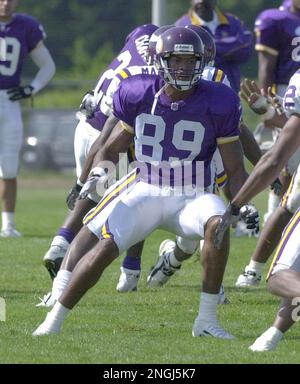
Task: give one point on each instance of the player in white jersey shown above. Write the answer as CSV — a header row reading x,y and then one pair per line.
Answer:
x,y
284,275
271,233
20,36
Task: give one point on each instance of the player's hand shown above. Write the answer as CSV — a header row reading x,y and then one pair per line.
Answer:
x,y
18,93
276,101
97,175
276,187
230,217
255,99
88,104
73,196
249,214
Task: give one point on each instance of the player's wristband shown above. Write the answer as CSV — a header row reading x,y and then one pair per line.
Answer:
x,y
234,210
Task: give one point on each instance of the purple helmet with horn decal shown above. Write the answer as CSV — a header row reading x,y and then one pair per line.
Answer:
x,y
179,41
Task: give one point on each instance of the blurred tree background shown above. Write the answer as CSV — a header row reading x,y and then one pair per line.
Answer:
x,y
83,36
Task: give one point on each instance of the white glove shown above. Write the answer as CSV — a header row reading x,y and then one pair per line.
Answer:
x,y
97,175
88,104
250,215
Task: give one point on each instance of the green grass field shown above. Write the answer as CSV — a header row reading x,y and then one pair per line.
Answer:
x,y
109,327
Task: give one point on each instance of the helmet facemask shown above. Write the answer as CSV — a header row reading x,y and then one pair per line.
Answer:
x,y
189,45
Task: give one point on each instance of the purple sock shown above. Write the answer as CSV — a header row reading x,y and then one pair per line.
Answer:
x,y
132,263
66,234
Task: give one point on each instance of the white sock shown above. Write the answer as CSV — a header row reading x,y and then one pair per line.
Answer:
x,y
173,261
273,202
8,220
208,306
60,282
273,334
61,241
256,266
58,313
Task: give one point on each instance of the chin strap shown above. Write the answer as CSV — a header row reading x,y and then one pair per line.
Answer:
x,y
156,98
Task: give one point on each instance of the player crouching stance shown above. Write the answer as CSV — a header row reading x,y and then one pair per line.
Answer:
x,y
173,116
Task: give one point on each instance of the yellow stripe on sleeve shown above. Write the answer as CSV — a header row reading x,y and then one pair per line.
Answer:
x,y
123,74
226,140
220,180
219,75
127,128
265,48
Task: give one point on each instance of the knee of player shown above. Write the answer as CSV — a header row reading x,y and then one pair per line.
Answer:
x,y
104,252
211,225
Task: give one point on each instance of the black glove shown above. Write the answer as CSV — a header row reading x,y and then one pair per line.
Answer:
x,y
18,93
276,187
230,217
73,195
250,215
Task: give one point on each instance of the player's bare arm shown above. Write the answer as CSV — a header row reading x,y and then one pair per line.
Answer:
x,y
267,65
271,163
250,146
232,156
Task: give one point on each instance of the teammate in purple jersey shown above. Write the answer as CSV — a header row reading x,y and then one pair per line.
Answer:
x,y
163,115
87,130
20,36
234,43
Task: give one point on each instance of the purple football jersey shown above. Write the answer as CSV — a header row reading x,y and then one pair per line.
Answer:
x,y
187,130
277,32
133,53
21,36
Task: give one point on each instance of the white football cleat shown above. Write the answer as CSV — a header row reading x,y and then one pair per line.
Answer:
x,y
206,328
10,231
163,269
128,280
47,301
48,327
267,341
249,278
55,254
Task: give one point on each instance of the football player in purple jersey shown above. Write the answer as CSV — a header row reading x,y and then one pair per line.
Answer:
x,y
20,36
277,43
95,110
174,144
234,43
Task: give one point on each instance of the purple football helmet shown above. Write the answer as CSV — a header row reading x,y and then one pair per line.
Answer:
x,y
208,41
179,41
152,43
